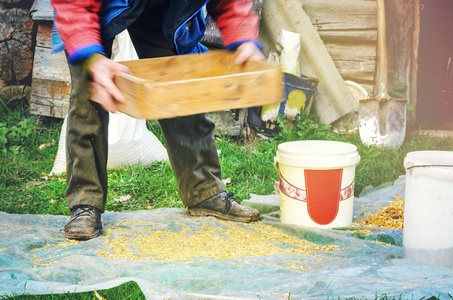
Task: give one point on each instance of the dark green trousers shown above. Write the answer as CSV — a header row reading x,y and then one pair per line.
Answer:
x,y
189,140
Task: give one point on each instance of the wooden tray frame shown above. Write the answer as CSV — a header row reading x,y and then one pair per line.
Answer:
x,y
182,85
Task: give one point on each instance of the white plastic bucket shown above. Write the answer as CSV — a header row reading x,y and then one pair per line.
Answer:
x,y
316,183
428,211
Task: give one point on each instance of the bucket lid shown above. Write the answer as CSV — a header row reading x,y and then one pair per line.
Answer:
x,y
317,154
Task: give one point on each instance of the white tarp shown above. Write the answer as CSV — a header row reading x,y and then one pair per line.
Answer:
x,y
35,258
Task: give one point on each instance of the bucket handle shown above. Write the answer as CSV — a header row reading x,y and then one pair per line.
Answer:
x,y
275,164
415,166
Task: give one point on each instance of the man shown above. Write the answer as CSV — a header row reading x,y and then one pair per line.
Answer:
x,y
157,28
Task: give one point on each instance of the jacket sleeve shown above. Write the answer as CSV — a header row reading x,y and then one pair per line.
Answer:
x,y
77,23
235,19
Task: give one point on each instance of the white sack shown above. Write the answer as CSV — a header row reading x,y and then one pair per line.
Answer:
x,y
288,44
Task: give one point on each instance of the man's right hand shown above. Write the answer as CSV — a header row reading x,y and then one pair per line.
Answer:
x,y
105,92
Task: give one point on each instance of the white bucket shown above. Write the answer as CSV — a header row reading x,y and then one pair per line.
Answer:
x,y
428,211
316,183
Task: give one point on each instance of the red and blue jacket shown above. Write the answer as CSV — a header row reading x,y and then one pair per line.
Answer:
x,y
82,24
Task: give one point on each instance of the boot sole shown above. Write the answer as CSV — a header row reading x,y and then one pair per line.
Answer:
x,y
211,213
80,237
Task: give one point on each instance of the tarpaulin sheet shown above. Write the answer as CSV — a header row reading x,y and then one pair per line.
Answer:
x,y
35,257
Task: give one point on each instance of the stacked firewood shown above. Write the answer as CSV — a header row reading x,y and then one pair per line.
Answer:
x,y
16,44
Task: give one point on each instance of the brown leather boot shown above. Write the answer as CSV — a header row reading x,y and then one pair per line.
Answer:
x,y
225,207
85,223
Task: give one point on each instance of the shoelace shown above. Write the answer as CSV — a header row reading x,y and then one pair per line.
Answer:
x,y
83,209
228,201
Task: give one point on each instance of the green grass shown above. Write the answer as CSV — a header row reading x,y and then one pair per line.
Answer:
x,y
248,165
379,165
128,290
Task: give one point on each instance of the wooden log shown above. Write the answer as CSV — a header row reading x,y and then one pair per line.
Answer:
x,y
16,54
16,3
12,92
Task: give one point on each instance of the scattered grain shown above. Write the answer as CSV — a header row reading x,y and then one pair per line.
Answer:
x,y
391,216
364,231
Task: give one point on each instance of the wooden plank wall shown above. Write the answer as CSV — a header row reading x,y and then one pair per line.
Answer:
x,y
349,31
50,87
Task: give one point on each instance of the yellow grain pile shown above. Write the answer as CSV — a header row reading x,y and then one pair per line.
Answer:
x,y
221,242
391,216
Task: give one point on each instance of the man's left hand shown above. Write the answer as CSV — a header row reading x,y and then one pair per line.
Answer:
x,y
246,51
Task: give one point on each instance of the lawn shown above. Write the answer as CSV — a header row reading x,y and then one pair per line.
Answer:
x,y
29,145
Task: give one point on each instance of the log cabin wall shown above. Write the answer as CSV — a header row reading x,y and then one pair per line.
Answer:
x,y
349,30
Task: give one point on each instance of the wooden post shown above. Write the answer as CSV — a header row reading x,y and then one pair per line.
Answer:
x,y
414,69
403,29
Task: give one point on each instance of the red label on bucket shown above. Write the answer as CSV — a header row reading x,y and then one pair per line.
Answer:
x,y
323,193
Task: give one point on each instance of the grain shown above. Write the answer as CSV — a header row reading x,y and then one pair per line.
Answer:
x,y
391,216
229,241
47,249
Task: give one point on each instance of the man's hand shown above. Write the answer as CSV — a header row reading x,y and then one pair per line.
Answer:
x,y
248,50
105,92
